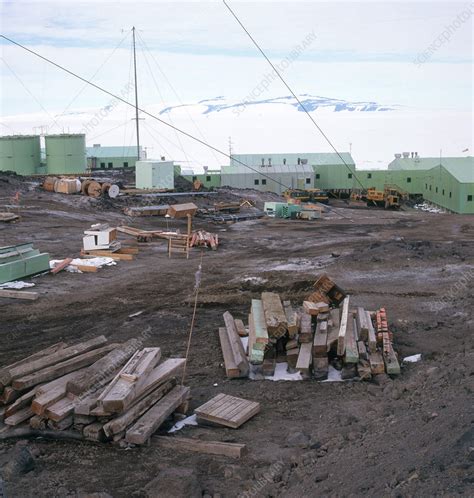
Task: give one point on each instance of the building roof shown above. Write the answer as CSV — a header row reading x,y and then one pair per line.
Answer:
x,y
268,170
313,158
106,151
462,168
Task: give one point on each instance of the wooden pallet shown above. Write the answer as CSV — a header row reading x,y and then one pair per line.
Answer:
x,y
227,410
178,243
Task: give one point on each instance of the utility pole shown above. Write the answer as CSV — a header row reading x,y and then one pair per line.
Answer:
x,y
136,94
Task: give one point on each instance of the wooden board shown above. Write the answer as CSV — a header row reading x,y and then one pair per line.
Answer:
x,y
239,325
292,357
120,423
57,357
306,328
320,340
259,323
351,349
392,366
275,317
19,416
341,341
231,369
320,367
14,294
238,352
305,356
376,363
148,423
128,382
227,410
61,369
22,402
362,325
314,309
371,337
231,450
291,318
108,254
182,210
61,265
60,409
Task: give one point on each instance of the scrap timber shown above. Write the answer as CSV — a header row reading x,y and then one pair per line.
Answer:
x,y
17,262
323,332
96,390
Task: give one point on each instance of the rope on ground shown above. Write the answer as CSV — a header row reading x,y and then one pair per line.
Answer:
x,y
197,286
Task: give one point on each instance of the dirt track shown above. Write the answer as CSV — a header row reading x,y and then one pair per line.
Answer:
x,y
404,437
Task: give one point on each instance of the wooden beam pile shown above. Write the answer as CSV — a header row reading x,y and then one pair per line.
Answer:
x,y
325,331
103,391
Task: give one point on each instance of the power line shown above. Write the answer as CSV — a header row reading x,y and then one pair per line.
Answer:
x,y
169,125
292,92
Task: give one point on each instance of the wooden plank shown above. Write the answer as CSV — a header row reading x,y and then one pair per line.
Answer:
x,y
392,366
275,317
303,364
306,329
320,367
57,357
291,318
260,325
332,337
49,395
371,337
231,450
86,268
376,363
320,340
363,369
231,369
94,432
314,309
102,368
148,423
238,352
108,254
128,250
341,341
14,294
62,368
129,380
351,350
335,317
62,424
229,411
239,325
60,409
362,325
292,357
362,350
5,377
120,423
61,265
22,402
19,416
9,395
38,422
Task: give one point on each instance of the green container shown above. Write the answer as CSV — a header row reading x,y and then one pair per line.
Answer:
x,y
20,153
66,154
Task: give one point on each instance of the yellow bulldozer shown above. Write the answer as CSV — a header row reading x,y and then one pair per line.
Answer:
x,y
389,198
298,196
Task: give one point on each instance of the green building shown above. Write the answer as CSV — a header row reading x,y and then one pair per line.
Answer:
x,y
210,178
105,157
20,153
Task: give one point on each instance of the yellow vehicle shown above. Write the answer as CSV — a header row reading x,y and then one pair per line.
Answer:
x,y
389,198
309,195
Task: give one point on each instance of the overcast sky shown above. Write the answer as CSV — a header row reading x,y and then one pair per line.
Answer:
x,y
416,54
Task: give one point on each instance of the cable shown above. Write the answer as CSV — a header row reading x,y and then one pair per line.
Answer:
x,y
293,93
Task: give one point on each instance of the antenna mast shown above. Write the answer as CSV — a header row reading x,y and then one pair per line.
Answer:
x,y
136,93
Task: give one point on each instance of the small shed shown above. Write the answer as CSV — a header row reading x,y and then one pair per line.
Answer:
x,y
154,175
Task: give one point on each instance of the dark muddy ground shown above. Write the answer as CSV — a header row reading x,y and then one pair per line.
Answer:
x,y
411,436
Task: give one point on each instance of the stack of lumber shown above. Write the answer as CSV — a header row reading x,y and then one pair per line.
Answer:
x,y
95,389
146,235
324,331
201,238
157,210
17,262
182,210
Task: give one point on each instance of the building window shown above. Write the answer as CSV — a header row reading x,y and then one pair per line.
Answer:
x,y
318,176
264,181
256,182
208,178
195,178
308,181
125,164
369,175
443,191
263,161
349,175
284,161
269,161
436,189
102,165
110,165
409,180
426,186
469,198
450,195
430,188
